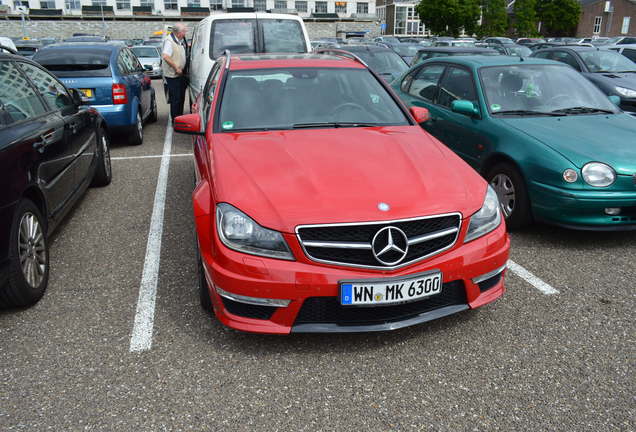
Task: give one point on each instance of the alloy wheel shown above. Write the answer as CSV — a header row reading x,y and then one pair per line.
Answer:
x,y
505,189
32,249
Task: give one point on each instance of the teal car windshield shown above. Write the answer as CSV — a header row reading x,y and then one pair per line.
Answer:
x,y
540,89
606,61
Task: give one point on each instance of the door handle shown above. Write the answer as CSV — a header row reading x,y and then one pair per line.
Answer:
x,y
45,139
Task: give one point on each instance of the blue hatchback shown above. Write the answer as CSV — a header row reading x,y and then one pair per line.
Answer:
x,y
110,79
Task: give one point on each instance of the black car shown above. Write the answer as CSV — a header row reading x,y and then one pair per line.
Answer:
x,y
51,150
430,52
382,60
610,71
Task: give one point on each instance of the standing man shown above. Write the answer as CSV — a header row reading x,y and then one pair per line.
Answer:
x,y
173,65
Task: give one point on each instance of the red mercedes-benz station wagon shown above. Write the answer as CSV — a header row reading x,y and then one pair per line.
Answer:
x,y
322,206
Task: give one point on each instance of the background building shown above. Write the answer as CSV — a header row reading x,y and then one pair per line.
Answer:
x,y
607,18
399,18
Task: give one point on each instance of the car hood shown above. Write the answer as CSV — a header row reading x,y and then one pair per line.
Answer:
x,y
145,60
585,138
287,178
627,80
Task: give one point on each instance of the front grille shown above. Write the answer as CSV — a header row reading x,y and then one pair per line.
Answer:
x,y
328,310
248,310
351,244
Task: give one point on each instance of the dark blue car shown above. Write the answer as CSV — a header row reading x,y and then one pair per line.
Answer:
x,y
110,79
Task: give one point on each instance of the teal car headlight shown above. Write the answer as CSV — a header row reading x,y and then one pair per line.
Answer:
x,y
486,219
598,174
627,92
240,232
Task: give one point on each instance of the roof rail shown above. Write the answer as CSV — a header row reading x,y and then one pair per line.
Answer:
x,y
9,50
341,53
228,54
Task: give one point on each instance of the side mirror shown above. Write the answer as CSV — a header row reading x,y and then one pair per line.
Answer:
x,y
189,124
464,107
421,115
616,100
75,95
148,68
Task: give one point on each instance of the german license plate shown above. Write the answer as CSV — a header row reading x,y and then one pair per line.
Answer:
x,y
86,93
371,292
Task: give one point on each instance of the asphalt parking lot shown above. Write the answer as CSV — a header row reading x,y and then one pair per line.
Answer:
x,y
556,353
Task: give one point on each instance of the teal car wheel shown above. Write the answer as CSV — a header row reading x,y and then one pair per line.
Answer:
x,y
510,187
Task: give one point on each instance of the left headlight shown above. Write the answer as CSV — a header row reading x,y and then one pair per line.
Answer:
x,y
155,65
486,219
598,174
239,232
627,92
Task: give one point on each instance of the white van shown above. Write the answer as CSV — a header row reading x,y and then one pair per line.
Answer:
x,y
243,32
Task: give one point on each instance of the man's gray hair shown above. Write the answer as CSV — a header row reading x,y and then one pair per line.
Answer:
x,y
179,27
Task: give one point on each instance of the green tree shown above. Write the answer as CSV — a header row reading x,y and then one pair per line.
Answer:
x,y
449,17
559,17
494,21
526,18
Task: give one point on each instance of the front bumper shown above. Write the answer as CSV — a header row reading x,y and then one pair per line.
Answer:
x,y
583,209
309,285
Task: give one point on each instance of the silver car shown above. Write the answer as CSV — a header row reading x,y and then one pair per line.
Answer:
x,y
149,56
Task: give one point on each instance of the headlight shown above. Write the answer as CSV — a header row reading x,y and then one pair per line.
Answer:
x,y
239,232
598,174
486,219
625,92
155,65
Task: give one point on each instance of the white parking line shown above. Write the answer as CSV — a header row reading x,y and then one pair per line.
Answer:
x,y
531,279
151,156
141,338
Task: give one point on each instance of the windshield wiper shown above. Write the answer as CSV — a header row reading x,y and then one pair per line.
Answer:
x,y
333,124
582,110
530,112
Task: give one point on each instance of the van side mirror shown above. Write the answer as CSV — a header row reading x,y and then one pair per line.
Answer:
x,y
464,107
189,124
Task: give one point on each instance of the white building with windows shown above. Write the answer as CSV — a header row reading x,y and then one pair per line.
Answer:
x,y
304,8
400,18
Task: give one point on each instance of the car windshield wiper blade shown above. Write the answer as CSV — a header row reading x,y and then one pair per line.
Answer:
x,y
583,110
529,112
333,124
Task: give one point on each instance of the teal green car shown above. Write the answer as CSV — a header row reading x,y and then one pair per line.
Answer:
x,y
552,145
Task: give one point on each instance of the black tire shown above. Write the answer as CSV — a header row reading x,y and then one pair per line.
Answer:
x,y
137,131
515,204
103,171
152,117
18,291
204,294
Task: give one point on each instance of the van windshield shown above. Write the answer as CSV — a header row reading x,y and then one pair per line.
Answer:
x,y
282,36
239,36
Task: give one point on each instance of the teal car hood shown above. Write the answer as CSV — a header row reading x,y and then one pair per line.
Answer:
x,y
585,138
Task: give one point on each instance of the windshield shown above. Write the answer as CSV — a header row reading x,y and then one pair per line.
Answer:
x,y
281,35
540,88
606,61
463,43
299,97
519,51
407,50
388,64
145,52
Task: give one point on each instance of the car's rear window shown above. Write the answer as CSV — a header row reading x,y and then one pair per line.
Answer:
x,y
280,35
145,52
239,36
89,62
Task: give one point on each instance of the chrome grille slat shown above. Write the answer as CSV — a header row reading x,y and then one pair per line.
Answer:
x,y
350,244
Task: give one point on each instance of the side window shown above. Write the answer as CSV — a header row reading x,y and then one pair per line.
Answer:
x,y
122,64
424,85
18,100
457,84
566,58
53,91
499,48
543,55
630,54
209,89
134,61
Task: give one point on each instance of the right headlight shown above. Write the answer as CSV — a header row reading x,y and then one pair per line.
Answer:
x,y
598,174
486,219
240,232
627,92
